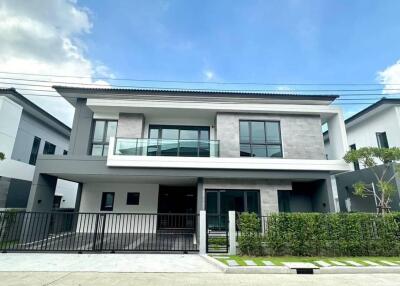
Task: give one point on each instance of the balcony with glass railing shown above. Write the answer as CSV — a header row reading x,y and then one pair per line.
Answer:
x,y
166,147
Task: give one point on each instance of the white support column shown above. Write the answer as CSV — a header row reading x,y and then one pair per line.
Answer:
x,y
335,194
337,136
202,233
232,233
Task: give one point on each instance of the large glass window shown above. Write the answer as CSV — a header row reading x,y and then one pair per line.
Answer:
x,y
188,141
49,148
103,130
34,151
260,139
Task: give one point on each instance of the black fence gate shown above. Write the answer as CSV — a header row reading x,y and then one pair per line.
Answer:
x,y
79,232
217,233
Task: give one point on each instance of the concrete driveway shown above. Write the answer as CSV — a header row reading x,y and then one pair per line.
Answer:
x,y
49,262
192,279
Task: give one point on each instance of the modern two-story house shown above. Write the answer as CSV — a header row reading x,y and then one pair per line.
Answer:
x,y
182,151
378,125
27,131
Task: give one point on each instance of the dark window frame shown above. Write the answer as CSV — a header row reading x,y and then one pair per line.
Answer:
x,y
160,128
136,199
103,201
34,151
378,139
46,150
104,141
244,191
266,144
356,165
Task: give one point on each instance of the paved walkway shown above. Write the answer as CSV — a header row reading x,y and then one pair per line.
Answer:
x,y
192,279
49,262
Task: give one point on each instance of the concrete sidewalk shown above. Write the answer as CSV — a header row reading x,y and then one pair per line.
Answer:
x,y
49,262
191,279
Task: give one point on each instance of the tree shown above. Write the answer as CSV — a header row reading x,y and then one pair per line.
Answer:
x,y
2,156
371,158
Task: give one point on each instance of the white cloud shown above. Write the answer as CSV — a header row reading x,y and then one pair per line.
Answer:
x,y
45,37
209,74
390,78
285,88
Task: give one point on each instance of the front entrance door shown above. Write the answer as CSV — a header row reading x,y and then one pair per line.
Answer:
x,y
173,201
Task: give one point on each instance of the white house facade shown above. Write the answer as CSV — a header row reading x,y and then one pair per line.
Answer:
x,y
25,132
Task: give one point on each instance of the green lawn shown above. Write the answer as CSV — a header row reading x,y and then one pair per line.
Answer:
x,y
278,260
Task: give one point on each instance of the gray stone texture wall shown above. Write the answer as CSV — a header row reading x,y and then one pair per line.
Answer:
x,y
301,134
130,125
81,129
4,187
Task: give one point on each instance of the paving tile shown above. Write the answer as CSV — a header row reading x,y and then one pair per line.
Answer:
x,y
268,263
371,263
351,262
296,265
232,263
337,263
389,263
250,263
322,263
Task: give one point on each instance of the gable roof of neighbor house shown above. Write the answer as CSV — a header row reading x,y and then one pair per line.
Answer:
x,y
35,111
368,111
373,107
75,92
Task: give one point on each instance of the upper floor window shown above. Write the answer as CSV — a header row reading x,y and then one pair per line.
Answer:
x,y
49,148
260,139
34,151
356,164
382,140
103,130
191,141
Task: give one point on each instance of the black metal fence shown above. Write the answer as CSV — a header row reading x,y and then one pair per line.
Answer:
x,y
71,231
217,233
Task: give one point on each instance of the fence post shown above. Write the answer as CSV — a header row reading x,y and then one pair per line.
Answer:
x,y
232,233
202,233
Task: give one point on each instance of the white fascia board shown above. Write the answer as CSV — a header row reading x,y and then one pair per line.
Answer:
x,y
16,170
215,106
227,163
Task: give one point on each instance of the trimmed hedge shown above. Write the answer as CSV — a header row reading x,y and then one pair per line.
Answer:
x,y
315,234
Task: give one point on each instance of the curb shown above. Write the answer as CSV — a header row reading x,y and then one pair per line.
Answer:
x,y
286,270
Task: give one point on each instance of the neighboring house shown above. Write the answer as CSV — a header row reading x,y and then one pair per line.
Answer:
x,y
375,126
27,131
182,151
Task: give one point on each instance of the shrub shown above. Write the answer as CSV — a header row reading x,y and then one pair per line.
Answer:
x,y
250,239
315,234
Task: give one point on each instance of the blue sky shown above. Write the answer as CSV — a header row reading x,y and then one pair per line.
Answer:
x,y
285,41
262,41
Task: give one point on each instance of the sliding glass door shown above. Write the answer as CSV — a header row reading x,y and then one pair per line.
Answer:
x,y
220,202
185,141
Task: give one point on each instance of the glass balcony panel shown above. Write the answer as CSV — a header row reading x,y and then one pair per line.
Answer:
x,y
166,147
152,147
188,148
126,146
169,147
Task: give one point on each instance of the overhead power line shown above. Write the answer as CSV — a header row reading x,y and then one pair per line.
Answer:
x,y
93,85
194,82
